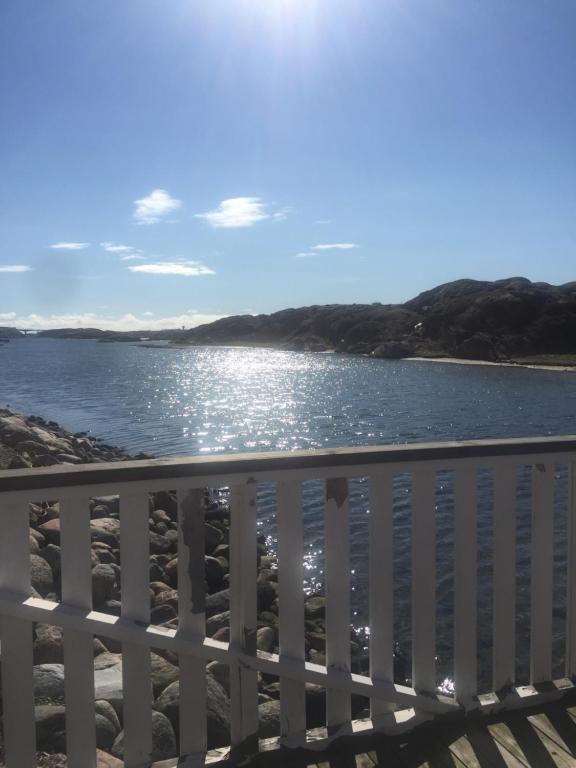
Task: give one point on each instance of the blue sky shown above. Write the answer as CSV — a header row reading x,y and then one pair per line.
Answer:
x,y
165,162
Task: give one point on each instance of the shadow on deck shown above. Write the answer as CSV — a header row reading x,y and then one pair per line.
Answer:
x,y
542,737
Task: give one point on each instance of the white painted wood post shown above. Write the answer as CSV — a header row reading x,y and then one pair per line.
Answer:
x,y
337,566
76,572
571,574
16,637
542,572
424,580
291,609
504,578
192,623
381,587
136,666
465,584
243,618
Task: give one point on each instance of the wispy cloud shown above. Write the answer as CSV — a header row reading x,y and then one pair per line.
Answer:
x,y
15,268
240,212
335,246
4,316
132,257
67,246
126,322
155,207
116,248
305,254
182,268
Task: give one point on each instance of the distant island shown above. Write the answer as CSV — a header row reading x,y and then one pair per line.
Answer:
x,y
506,320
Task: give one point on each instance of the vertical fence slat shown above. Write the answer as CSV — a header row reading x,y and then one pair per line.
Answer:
x,y
78,646
381,594
465,583
243,616
424,580
192,621
136,667
542,572
291,605
337,528
571,574
504,577
16,639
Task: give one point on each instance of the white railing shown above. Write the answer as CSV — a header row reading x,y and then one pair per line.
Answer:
x,y
392,705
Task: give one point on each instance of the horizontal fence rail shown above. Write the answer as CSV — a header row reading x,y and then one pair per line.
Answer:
x,y
392,705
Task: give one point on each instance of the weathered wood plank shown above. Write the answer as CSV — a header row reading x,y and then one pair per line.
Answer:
x,y
192,621
291,609
16,638
249,464
337,566
424,580
243,616
381,586
504,578
136,668
78,645
465,584
542,573
571,574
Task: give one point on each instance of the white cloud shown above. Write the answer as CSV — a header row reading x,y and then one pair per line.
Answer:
x,y
239,212
335,246
132,257
15,268
183,268
116,248
7,316
148,314
305,254
126,322
155,207
66,246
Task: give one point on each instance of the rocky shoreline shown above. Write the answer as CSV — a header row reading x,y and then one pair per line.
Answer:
x,y
34,442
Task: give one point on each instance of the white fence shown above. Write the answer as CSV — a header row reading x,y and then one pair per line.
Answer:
x,y
392,705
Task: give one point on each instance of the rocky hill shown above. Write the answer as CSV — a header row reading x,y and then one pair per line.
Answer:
x,y
466,318
501,320
7,332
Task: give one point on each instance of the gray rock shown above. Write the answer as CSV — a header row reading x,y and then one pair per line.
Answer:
x,y
103,583
269,717
158,544
49,682
41,575
108,680
218,712
265,639
106,709
213,537
163,673
214,623
163,739
69,458
53,556
50,722
218,602
315,608
105,732
110,503
44,460
214,573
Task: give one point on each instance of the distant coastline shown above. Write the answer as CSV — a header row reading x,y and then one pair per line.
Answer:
x,y
506,322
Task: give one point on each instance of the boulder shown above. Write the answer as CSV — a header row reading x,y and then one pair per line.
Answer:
x,y
212,537
103,583
49,682
214,573
50,726
218,710
163,739
269,717
163,673
218,602
41,575
265,639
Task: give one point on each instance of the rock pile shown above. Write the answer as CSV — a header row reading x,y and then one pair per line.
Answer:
x,y
32,439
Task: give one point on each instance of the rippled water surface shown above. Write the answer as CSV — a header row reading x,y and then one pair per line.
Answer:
x,y
220,400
